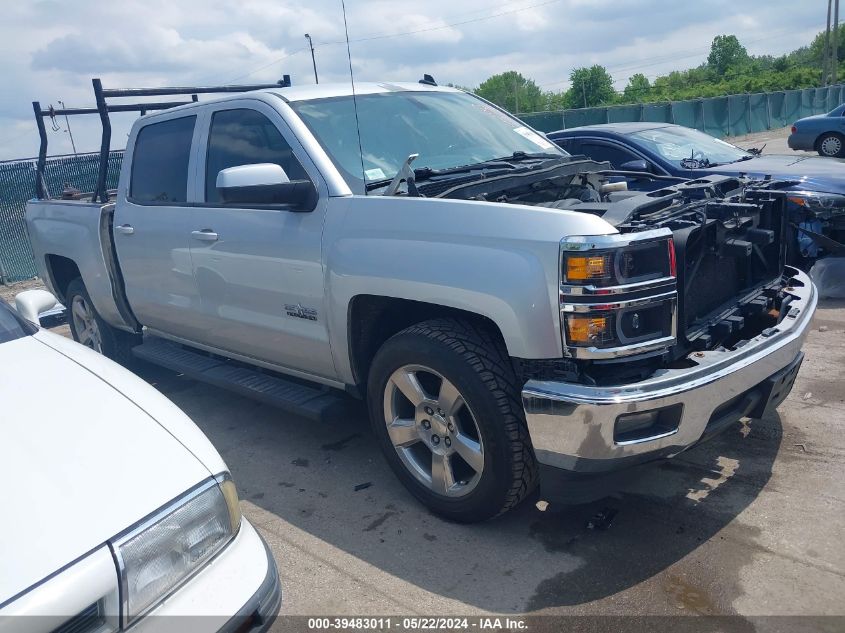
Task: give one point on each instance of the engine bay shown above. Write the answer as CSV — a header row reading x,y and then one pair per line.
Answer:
x,y
729,239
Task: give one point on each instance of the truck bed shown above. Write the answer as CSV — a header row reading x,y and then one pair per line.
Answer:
x,y
78,233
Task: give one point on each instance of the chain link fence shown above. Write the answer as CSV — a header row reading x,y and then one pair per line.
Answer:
x,y
734,115
17,186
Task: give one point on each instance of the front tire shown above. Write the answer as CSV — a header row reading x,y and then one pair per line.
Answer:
x,y
831,145
446,408
89,329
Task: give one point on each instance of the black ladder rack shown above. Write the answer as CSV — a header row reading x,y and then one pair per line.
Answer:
x,y
103,109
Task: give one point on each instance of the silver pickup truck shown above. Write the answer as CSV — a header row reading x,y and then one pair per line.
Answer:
x,y
510,313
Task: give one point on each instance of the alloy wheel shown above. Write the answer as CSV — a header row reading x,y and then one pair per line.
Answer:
x,y
433,430
85,324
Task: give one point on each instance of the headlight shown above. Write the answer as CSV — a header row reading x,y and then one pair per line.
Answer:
x,y
618,294
824,204
159,554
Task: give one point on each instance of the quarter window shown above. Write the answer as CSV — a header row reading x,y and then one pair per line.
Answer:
x,y
616,156
160,161
245,137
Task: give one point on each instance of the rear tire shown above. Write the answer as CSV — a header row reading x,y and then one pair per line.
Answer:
x,y
459,443
89,329
831,144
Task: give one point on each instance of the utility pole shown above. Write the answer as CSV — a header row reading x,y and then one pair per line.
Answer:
x,y
584,92
834,58
67,122
313,60
516,94
826,53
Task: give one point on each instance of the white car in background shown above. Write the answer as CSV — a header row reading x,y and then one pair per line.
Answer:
x,y
115,506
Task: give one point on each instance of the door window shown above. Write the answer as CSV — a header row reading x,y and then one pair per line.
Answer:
x,y
245,137
616,156
160,161
569,144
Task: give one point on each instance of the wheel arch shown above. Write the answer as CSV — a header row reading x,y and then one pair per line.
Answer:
x,y
821,135
61,271
373,319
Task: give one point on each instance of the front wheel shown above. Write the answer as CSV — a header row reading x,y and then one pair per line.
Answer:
x,y
446,409
89,329
831,145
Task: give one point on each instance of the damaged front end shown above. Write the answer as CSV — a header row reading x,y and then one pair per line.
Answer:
x,y
696,266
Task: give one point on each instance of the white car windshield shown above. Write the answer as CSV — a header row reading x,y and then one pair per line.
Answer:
x,y
684,146
11,325
446,129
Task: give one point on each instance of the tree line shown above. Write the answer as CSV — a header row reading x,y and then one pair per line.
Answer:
x,y
729,69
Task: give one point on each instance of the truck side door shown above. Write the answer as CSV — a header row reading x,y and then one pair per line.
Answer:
x,y
151,225
260,276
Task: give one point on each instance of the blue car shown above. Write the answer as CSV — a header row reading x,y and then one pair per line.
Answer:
x,y
816,198
822,133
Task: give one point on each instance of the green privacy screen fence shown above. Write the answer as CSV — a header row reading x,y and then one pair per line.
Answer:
x,y
17,185
734,115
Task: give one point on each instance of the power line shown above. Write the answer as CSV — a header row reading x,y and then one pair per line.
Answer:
x,y
16,137
268,64
382,36
451,24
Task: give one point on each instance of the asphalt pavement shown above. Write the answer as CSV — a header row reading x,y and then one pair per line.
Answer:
x,y
749,524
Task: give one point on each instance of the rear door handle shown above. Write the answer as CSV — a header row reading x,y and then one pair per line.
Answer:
x,y
205,235
125,229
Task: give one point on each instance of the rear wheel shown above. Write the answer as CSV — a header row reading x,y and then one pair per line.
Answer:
x,y
446,409
831,144
89,329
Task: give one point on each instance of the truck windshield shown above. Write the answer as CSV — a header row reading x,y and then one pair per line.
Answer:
x,y
680,144
11,325
446,129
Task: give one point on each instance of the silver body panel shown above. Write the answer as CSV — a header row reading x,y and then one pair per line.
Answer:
x,y
78,231
570,422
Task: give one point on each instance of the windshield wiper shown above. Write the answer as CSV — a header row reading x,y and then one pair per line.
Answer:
x,y
731,162
520,156
426,173
505,162
408,175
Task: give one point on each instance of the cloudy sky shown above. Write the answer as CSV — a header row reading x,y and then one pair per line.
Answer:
x,y
50,49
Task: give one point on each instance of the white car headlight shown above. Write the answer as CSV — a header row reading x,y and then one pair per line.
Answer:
x,y
164,550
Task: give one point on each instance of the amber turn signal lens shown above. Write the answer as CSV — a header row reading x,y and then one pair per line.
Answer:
x,y
584,329
582,268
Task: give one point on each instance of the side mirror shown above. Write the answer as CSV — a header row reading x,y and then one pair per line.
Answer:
x,y
634,165
31,303
265,183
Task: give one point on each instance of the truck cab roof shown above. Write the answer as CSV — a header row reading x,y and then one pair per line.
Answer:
x,y
292,94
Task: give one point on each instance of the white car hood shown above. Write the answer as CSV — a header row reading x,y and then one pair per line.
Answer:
x,y
80,460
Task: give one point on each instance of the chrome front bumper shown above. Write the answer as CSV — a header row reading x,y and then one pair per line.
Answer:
x,y
572,425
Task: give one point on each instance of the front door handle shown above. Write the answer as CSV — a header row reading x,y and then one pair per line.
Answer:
x,y
125,229
205,235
